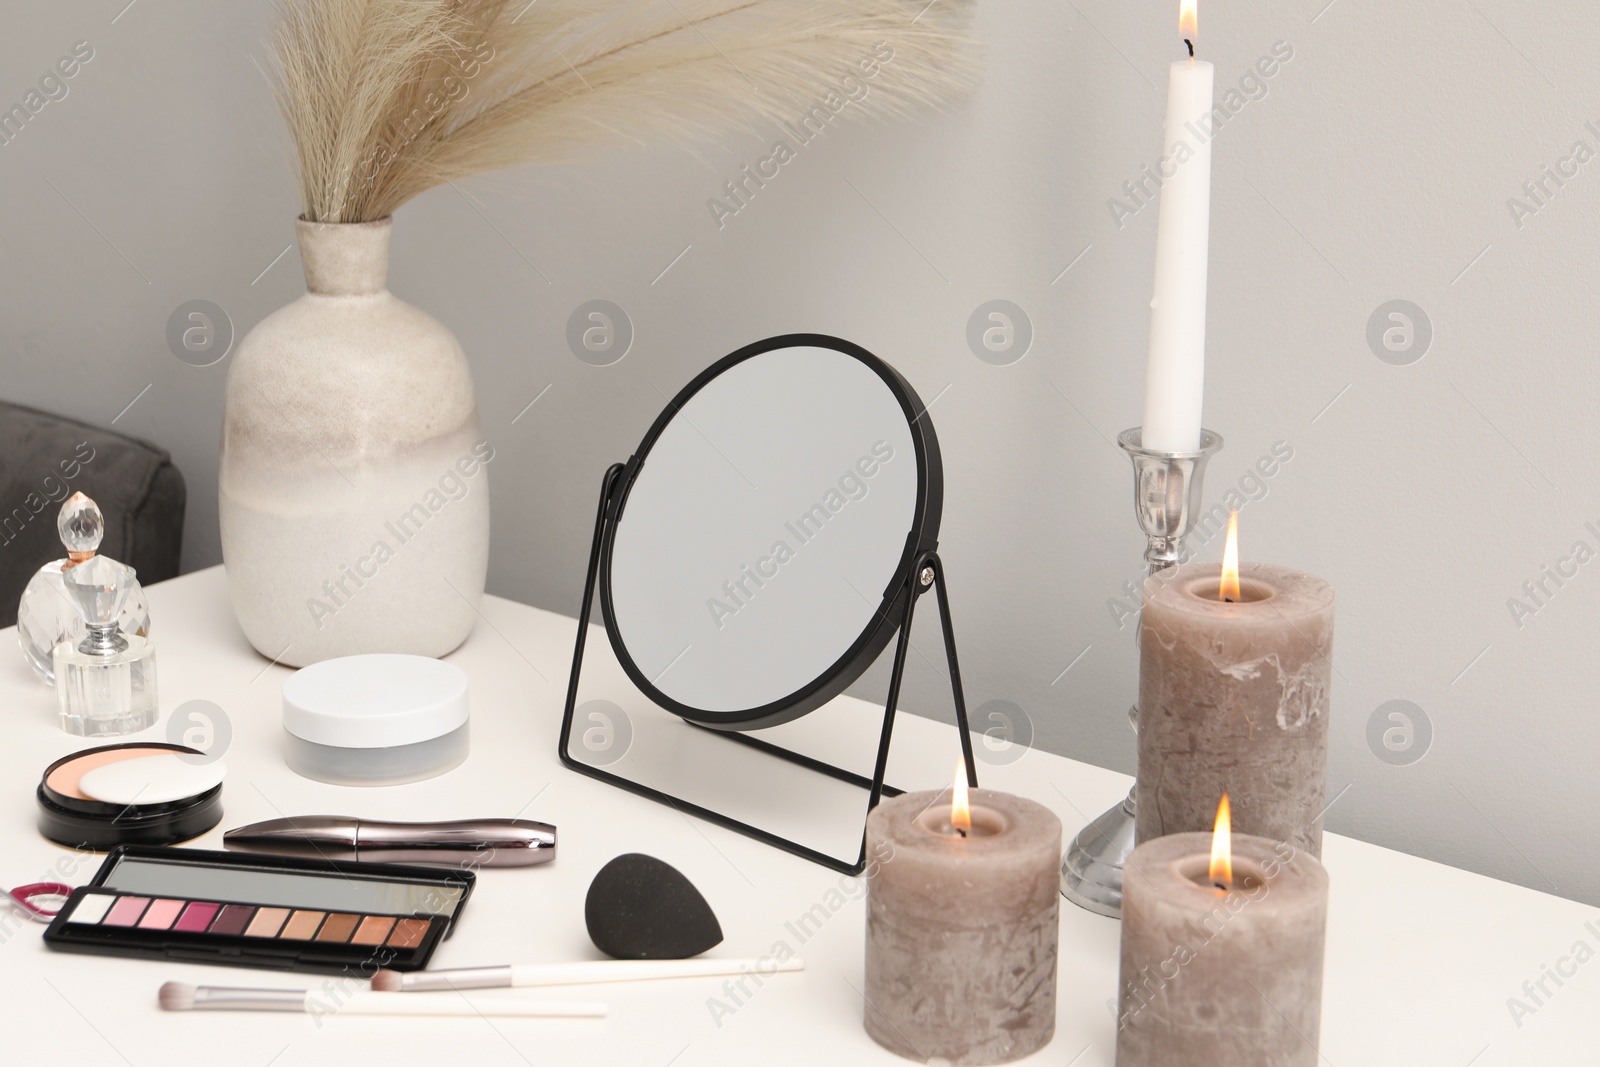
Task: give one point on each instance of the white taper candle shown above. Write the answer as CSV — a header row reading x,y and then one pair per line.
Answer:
x,y
1175,369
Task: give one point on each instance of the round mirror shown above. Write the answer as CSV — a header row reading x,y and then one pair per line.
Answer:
x,y
760,550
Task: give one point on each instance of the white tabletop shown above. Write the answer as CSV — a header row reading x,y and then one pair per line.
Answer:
x,y
1421,958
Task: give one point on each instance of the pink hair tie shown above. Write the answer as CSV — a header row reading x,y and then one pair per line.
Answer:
x,y
23,897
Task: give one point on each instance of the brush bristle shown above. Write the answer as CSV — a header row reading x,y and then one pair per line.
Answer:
x,y
177,996
386,981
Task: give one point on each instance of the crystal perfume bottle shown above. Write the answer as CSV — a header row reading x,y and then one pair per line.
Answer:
x,y
46,615
105,683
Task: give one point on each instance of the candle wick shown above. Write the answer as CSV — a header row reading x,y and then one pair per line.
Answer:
x,y
1191,47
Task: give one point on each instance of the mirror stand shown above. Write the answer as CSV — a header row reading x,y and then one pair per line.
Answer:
x,y
926,574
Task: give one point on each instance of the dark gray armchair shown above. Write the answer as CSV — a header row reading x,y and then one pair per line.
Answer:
x,y
44,459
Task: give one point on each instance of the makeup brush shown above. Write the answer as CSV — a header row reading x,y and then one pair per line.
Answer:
x,y
180,996
588,972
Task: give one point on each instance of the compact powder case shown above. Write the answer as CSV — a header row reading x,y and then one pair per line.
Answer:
x,y
129,794
245,910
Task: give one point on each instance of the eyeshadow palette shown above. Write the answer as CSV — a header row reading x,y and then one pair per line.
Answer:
x,y
262,911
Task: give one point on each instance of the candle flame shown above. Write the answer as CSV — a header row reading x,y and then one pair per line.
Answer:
x,y
1222,847
1228,590
960,810
1188,19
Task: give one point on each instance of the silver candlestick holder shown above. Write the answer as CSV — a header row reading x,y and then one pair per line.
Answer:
x,y
1166,499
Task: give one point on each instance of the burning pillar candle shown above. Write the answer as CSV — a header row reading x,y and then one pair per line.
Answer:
x,y
962,908
1222,949
1234,683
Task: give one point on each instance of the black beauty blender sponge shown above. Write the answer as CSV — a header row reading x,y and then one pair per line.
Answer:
x,y
641,908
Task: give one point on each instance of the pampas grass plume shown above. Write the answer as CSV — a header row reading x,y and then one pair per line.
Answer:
x,y
388,98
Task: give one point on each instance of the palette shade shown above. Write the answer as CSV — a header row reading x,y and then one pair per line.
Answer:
x,y
69,816
263,911
106,908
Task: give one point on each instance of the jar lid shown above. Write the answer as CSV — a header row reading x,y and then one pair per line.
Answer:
x,y
379,700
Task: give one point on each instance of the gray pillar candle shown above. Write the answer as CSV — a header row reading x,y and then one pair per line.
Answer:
x,y
1233,698
1214,978
961,931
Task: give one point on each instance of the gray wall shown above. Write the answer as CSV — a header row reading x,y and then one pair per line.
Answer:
x,y
1376,167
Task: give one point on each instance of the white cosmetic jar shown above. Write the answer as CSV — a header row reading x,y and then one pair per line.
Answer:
x,y
378,719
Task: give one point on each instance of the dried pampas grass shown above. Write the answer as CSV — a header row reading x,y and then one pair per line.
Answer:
x,y
388,98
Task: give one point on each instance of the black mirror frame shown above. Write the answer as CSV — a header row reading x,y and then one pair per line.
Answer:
x,y
925,573
921,538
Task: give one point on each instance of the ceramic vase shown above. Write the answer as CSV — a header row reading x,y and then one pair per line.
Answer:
x,y
353,486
